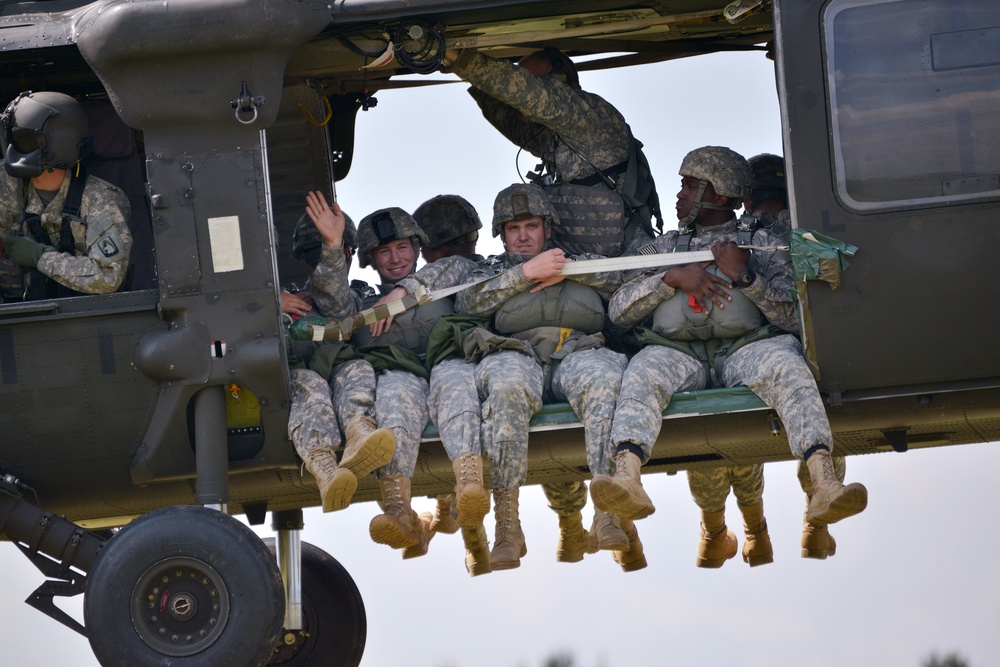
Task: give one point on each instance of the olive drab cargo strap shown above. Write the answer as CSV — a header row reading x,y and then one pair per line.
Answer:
x,y
41,286
335,330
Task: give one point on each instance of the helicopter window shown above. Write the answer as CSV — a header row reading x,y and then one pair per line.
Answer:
x,y
914,87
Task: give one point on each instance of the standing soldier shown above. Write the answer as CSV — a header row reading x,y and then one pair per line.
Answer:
x,y
726,322
315,412
548,333
64,232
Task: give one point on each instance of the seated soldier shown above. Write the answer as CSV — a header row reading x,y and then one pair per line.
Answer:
x,y
743,315
64,233
315,413
548,326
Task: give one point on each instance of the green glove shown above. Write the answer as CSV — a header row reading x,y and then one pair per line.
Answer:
x,y
24,251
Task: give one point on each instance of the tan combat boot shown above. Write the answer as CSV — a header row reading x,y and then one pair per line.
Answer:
x,y
817,542
368,448
606,533
443,521
574,541
509,547
622,494
477,550
757,547
718,543
831,501
471,497
633,558
399,526
424,534
336,485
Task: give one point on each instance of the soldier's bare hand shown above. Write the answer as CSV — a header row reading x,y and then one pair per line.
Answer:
x,y
382,326
694,279
544,266
296,305
730,258
329,220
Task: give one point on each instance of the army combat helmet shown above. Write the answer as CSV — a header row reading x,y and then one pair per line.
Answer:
x,y
307,242
383,226
447,218
42,131
768,182
520,202
725,169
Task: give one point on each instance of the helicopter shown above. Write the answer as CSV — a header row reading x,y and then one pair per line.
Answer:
x,y
200,106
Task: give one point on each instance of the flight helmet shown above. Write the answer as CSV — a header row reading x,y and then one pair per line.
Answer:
x,y
383,226
42,131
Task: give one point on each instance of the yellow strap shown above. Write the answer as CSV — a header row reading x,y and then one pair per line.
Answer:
x,y
564,333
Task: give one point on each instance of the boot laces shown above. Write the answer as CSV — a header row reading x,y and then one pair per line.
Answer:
x,y
503,514
467,468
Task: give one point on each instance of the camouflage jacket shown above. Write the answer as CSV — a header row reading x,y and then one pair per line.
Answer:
x,y
506,281
101,235
558,116
773,291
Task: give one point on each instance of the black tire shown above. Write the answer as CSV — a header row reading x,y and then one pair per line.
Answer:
x,y
184,587
333,614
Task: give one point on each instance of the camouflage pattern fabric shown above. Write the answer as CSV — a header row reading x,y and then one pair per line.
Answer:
x,y
401,404
312,423
591,381
510,386
404,227
353,385
453,404
101,235
775,226
724,168
652,377
446,218
773,291
566,498
775,370
805,481
710,487
559,116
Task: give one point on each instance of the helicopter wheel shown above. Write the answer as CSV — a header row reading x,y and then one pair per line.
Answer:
x,y
333,616
184,586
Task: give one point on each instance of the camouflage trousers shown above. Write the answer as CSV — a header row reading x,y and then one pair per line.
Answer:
x,y
453,403
312,423
566,498
710,486
652,377
775,370
401,404
805,481
353,384
510,386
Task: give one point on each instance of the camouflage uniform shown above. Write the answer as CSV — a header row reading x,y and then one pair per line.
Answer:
x,y
512,384
100,233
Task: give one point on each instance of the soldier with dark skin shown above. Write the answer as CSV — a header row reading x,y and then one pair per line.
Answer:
x,y
52,251
766,360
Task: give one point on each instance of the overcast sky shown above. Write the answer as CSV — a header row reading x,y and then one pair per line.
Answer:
x,y
914,574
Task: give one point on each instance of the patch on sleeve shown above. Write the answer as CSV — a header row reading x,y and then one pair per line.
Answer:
x,y
108,246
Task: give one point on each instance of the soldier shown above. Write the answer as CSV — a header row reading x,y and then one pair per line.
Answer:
x,y
549,333
64,232
706,320
452,226
390,239
580,137
313,424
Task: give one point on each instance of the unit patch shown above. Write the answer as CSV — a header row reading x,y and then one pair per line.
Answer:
x,y
107,246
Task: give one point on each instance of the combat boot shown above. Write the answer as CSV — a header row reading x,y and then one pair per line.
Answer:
x,y
633,558
718,543
477,550
606,533
399,526
336,485
831,501
368,448
509,547
574,541
817,542
622,494
424,535
471,497
443,521
757,547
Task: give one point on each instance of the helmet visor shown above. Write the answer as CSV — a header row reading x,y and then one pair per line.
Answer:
x,y
25,139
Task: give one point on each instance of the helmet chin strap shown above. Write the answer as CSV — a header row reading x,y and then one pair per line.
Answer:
x,y
699,204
